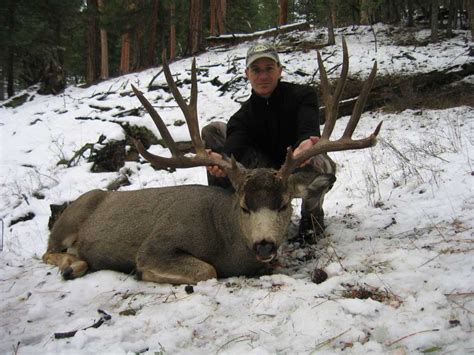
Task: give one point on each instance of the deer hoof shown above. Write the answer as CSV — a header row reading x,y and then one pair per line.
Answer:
x,y
68,273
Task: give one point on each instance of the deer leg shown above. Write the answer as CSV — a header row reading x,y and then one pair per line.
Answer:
x,y
214,136
312,213
69,265
179,269
319,174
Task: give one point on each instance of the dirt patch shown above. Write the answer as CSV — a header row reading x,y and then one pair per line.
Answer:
x,y
364,292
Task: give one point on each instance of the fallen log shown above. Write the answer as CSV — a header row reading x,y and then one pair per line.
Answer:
x,y
236,38
434,89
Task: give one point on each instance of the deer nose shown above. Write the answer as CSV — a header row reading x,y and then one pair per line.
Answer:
x,y
265,251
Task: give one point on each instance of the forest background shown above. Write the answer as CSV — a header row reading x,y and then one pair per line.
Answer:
x,y
56,43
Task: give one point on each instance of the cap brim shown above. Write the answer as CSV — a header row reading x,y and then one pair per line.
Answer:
x,y
259,56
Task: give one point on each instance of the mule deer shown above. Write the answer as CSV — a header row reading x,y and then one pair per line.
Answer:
x,y
186,234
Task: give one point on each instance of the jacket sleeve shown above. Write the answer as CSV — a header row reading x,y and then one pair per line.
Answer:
x,y
307,116
237,140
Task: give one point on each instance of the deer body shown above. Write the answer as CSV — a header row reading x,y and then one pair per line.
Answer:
x,y
184,224
186,234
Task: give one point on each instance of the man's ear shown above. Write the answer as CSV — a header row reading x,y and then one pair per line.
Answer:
x,y
281,69
247,72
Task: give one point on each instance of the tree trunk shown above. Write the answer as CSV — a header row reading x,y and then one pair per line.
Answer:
x,y
212,17
10,72
364,12
53,80
451,14
283,17
434,20
104,51
330,15
92,72
10,50
125,54
221,10
470,11
194,27
2,83
152,44
396,12
172,30
224,15
137,47
410,10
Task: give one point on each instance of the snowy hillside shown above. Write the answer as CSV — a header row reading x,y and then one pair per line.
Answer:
x,y
397,250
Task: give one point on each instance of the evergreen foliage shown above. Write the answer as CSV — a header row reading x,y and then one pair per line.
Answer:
x,y
38,33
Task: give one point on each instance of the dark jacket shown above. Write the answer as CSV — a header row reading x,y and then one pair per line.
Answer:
x,y
289,116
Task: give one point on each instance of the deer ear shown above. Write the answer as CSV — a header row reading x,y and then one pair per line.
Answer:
x,y
298,185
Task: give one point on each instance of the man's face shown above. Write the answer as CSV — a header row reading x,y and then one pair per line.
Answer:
x,y
263,75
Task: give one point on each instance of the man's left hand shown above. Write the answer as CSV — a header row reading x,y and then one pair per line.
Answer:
x,y
305,145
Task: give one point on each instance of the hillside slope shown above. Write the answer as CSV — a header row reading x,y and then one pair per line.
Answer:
x,y
398,247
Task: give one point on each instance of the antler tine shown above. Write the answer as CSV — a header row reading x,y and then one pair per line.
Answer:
x,y
346,142
360,103
178,159
189,111
165,134
332,101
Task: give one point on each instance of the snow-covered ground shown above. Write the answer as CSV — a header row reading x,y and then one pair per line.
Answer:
x,y
398,247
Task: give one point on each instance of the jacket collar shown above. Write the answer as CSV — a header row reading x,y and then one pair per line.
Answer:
x,y
274,97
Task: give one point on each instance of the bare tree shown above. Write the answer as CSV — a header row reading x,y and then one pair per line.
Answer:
x,y
283,16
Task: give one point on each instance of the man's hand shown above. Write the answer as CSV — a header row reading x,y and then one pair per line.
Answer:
x,y
214,169
305,145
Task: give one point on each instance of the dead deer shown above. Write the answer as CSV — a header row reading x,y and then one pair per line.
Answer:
x,y
187,234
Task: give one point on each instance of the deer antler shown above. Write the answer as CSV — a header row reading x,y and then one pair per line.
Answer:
x,y
178,159
331,102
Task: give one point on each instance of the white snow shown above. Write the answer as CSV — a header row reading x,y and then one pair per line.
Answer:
x,y
400,226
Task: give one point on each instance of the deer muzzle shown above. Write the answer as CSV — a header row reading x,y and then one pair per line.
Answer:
x,y
266,251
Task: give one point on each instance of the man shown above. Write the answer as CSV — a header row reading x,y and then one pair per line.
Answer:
x,y
277,115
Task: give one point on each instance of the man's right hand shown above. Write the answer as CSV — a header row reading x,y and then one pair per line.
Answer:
x,y
214,169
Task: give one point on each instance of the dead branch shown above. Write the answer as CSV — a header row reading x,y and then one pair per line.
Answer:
x,y
103,318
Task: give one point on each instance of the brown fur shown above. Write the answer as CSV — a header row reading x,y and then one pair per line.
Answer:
x,y
182,234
